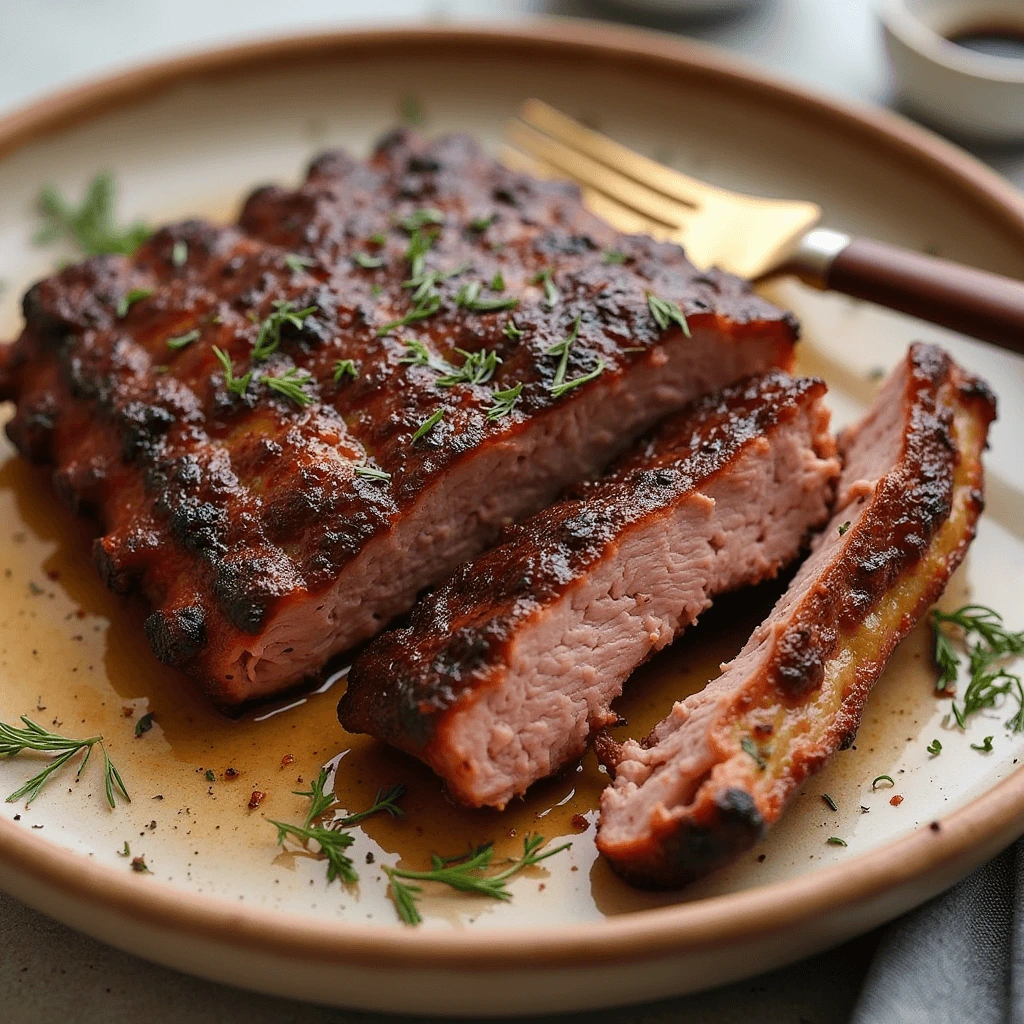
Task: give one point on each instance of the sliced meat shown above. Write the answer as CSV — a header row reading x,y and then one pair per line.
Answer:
x,y
720,768
508,666
272,524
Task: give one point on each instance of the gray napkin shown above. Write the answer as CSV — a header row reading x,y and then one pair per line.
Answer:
x,y
958,959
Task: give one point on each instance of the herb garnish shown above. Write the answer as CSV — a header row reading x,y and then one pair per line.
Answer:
x,y
236,385
371,472
179,253
419,312
465,873
378,239
504,402
344,368
269,337
368,262
469,298
143,725
551,293
291,385
14,741
184,339
985,746
830,801
497,282
417,354
835,841
477,368
482,223
511,331
989,679
934,748
296,263
561,349
130,298
421,218
882,778
666,313
614,256
91,226
428,424
332,841
750,747
560,389
845,526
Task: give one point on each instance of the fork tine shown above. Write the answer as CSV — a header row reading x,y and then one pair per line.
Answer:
x,y
612,154
666,212
620,217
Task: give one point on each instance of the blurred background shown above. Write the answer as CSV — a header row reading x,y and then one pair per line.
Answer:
x,y
837,47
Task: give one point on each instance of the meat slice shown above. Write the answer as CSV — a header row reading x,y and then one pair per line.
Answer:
x,y
507,667
720,768
272,524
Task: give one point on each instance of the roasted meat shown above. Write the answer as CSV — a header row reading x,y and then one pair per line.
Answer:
x,y
721,767
509,665
290,426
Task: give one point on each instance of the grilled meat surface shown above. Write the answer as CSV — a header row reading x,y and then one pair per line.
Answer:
x,y
276,519
508,666
721,767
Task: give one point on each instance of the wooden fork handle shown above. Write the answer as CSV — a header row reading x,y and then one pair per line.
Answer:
x,y
974,302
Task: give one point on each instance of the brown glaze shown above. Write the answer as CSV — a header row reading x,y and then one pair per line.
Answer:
x,y
913,532
460,635
222,509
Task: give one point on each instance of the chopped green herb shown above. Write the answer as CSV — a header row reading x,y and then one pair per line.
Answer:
x,y
368,262
482,223
126,852
985,746
511,331
504,402
464,874
296,263
417,354
497,283
561,349
210,776
291,385
344,368
236,385
750,747
269,337
830,801
419,312
143,725
378,239
551,293
15,741
415,253
844,527
420,219
371,472
91,225
835,841
376,290
184,339
666,313
469,298
882,778
128,300
179,253
934,748
428,424
333,842
614,256
477,368
560,389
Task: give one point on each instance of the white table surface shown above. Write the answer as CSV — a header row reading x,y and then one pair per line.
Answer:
x,y
47,971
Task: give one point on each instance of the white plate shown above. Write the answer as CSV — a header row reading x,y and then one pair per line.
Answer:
x,y
193,136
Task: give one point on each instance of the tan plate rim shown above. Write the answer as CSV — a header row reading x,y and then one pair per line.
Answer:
x,y
997,815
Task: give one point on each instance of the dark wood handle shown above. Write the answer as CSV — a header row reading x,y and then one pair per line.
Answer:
x,y
973,302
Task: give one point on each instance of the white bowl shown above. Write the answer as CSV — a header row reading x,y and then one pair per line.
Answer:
x,y
963,91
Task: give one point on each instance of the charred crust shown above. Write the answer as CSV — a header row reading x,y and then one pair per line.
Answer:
x,y
608,751
177,636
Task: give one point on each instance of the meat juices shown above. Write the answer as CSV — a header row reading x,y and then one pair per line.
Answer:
x,y
250,521
508,666
721,767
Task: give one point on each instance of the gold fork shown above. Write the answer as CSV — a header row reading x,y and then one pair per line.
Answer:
x,y
755,237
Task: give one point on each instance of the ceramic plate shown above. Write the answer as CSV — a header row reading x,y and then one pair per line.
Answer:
x,y
193,136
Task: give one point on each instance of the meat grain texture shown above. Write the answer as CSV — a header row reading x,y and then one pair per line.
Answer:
x,y
722,766
508,667
270,533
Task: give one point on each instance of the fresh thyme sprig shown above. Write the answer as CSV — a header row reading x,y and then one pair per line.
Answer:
x,y
368,262
269,337
236,385
368,472
183,340
477,368
90,226
417,354
291,385
428,425
15,741
130,298
428,307
468,297
511,331
331,840
466,873
344,368
504,402
421,218
561,349
551,293
560,389
989,679
666,313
